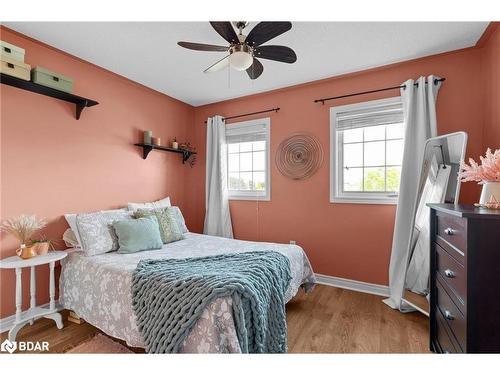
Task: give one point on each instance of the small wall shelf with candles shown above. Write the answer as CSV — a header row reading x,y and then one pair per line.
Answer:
x,y
147,148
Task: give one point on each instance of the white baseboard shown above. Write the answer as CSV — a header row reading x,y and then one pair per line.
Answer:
x,y
358,286
8,322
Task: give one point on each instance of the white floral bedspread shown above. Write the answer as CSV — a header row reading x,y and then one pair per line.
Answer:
x,y
98,289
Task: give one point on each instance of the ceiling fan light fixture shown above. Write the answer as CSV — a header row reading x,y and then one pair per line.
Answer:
x,y
242,48
241,60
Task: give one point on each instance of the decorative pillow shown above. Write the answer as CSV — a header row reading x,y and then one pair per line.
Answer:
x,y
70,239
162,203
138,235
71,219
169,229
96,231
180,219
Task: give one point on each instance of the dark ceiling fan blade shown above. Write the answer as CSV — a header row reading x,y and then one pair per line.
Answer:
x,y
203,47
255,69
222,63
264,31
276,53
225,30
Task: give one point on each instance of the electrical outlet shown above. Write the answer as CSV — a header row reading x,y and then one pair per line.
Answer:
x,y
292,242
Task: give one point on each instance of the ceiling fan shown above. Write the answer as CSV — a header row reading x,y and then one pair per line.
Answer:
x,y
244,49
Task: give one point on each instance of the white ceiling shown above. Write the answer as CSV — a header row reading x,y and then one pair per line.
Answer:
x,y
147,52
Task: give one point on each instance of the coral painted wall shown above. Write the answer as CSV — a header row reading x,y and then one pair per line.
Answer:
x,y
490,60
52,164
345,240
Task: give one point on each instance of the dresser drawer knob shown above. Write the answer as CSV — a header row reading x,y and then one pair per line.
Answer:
x,y
449,231
449,273
448,315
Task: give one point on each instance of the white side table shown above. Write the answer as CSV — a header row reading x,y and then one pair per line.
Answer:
x,y
34,312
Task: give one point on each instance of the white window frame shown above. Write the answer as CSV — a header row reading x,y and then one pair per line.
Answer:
x,y
337,195
254,194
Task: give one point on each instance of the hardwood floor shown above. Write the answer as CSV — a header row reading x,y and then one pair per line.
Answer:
x,y
330,320
333,320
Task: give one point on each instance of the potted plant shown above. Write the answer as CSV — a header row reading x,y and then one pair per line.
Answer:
x,y
23,228
189,147
487,174
42,246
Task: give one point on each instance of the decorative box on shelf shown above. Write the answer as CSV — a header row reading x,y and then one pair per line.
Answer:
x,y
14,68
11,51
48,78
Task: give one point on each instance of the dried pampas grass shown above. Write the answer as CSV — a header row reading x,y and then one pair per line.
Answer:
x,y
23,227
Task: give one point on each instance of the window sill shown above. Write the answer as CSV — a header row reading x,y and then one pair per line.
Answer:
x,y
354,200
249,198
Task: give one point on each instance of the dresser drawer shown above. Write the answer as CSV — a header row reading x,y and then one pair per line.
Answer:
x,y
451,232
446,343
453,275
450,313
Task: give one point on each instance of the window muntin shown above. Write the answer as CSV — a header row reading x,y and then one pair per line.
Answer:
x,y
248,159
366,148
373,162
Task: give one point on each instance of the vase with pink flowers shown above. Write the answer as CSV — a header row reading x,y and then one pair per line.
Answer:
x,y
487,173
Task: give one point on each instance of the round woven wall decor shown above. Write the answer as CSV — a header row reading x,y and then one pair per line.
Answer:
x,y
299,156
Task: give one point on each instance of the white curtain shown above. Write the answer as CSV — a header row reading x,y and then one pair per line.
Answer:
x,y
217,215
419,103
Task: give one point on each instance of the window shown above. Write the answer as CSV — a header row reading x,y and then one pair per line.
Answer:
x,y
248,159
366,151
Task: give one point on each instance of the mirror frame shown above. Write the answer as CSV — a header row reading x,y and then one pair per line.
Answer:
x,y
415,207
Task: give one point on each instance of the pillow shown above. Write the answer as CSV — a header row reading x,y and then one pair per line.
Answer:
x,y
70,240
180,219
138,235
162,203
71,219
169,229
96,231
124,209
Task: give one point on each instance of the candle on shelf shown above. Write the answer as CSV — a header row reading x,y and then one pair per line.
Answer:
x,y
156,141
147,136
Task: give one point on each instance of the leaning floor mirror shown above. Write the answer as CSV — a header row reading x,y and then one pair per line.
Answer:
x,y
439,183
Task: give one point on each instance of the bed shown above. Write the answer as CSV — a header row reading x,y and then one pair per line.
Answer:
x,y
98,289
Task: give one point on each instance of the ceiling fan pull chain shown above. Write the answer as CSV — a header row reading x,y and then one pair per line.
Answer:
x,y
253,74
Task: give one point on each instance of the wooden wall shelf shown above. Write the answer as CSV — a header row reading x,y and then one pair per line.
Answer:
x,y
147,148
80,102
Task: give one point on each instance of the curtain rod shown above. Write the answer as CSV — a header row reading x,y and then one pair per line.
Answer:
x,y
250,114
323,100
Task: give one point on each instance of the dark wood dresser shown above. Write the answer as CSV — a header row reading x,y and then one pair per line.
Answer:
x,y
465,279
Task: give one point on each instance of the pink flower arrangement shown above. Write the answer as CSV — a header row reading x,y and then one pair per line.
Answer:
x,y
488,171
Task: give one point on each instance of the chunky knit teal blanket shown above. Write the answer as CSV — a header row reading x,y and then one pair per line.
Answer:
x,y
169,296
